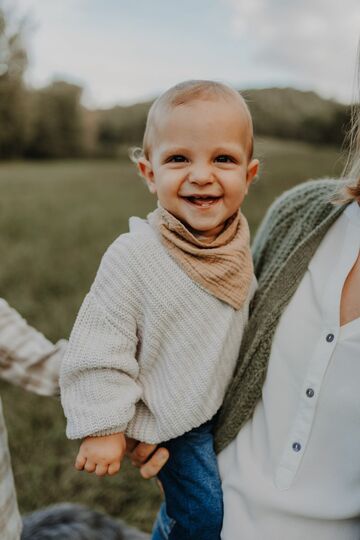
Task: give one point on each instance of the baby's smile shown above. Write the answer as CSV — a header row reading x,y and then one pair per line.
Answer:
x,y
199,166
202,201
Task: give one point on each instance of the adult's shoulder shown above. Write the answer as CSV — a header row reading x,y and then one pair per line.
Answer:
x,y
302,202
292,215
310,192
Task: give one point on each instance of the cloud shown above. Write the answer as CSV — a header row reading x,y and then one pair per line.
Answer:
x,y
123,51
313,41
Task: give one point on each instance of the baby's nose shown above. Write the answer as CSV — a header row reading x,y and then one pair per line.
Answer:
x,y
201,174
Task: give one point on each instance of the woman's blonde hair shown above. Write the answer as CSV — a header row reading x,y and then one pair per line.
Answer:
x,y
350,189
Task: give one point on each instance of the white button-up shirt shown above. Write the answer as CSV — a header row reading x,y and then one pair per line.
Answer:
x,y
293,471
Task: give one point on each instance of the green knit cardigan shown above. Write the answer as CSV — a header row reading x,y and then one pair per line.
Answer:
x,y
286,241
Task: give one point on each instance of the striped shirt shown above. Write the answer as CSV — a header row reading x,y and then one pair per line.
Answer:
x,y
29,360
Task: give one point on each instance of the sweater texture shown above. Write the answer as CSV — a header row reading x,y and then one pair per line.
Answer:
x,y
284,245
151,352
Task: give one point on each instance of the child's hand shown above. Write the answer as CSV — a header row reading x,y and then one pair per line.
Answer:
x,y
101,455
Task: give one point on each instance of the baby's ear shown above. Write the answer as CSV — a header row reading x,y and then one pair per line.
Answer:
x,y
146,171
252,171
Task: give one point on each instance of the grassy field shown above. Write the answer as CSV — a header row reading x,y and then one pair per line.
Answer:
x,y
56,220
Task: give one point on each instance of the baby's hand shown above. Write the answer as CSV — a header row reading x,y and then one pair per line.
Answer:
x,y
101,455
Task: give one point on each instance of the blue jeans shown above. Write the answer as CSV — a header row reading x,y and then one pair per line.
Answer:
x,y
193,507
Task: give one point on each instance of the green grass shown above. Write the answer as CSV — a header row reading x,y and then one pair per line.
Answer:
x,y
56,220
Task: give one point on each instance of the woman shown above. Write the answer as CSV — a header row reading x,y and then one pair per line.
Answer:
x,y
289,429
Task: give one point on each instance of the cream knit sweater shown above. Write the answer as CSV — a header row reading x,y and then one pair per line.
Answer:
x,y
151,352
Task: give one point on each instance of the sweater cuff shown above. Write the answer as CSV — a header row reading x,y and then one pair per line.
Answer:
x,y
110,431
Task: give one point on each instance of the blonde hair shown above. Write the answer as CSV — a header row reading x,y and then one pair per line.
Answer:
x,y
183,93
350,189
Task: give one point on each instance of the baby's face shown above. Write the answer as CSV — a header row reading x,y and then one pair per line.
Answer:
x,y
199,166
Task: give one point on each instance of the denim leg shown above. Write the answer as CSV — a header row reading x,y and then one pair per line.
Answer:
x,y
163,525
193,497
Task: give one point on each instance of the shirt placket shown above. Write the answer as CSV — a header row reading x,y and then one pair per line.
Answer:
x,y
299,434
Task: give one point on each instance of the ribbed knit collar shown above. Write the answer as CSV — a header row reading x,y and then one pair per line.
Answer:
x,y
222,267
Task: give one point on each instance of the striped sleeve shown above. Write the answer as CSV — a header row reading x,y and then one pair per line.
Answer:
x,y
27,358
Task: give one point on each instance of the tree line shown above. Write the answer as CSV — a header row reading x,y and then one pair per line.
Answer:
x,y
52,123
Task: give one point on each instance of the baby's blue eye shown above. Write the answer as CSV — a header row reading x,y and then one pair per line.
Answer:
x,y
224,159
178,158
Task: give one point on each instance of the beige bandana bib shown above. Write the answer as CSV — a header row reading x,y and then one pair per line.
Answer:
x,y
222,267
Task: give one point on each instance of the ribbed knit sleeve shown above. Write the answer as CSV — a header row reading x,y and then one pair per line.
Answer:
x,y
98,377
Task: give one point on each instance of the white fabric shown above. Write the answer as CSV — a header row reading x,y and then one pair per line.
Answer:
x,y
272,490
151,352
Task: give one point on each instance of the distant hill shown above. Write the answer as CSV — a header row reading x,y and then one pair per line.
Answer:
x,y
113,130
294,114
279,112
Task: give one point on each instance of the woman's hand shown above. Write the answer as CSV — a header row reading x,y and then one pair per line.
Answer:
x,y
147,457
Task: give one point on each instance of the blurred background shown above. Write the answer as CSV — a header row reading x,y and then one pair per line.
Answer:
x,y
76,80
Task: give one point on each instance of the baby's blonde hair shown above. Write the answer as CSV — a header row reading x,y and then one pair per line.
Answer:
x,y
183,93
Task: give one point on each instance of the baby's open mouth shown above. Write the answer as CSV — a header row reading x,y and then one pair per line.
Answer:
x,y
203,201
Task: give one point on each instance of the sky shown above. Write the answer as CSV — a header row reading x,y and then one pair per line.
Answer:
x,y
124,51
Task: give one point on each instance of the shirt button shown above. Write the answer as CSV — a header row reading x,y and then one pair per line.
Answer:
x,y
296,447
310,392
330,338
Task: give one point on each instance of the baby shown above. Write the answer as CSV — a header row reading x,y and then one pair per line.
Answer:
x,y
157,338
